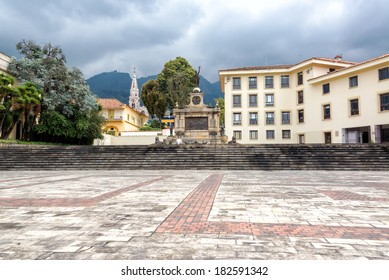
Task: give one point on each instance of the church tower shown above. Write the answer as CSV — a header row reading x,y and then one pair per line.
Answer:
x,y
134,100
134,94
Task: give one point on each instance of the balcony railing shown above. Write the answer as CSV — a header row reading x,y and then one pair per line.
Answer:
x,y
111,118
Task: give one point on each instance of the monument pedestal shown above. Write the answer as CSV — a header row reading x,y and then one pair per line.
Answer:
x,y
198,122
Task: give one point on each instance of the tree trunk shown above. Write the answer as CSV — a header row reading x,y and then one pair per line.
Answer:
x,y
7,132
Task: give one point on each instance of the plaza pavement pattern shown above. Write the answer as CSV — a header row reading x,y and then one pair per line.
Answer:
x,y
188,214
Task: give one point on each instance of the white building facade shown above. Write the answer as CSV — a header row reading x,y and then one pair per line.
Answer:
x,y
318,100
4,62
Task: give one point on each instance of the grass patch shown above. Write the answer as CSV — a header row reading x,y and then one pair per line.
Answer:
x,y
19,142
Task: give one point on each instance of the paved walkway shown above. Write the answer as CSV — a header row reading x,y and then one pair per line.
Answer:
x,y
194,215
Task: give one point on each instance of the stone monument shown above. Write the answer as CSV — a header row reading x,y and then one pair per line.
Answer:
x,y
197,122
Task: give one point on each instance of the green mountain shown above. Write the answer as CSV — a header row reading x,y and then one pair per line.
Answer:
x,y
117,85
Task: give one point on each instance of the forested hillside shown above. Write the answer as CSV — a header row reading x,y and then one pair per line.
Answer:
x,y
117,85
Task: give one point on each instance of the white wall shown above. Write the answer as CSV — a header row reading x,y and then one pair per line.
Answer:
x,y
135,138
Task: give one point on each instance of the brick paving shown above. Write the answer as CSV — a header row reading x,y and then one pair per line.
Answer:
x,y
194,215
191,217
347,195
66,202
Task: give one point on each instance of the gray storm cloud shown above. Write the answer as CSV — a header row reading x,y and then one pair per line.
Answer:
x,y
100,36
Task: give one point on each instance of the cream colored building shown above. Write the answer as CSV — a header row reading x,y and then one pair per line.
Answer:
x,y
4,62
318,100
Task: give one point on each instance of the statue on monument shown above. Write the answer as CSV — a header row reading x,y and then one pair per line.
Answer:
x,y
197,78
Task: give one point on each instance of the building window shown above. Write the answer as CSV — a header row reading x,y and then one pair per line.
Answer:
x,y
300,97
111,114
326,88
252,82
299,78
269,117
253,100
354,107
353,81
327,137
236,102
236,83
128,117
285,117
237,119
301,116
269,82
237,134
269,102
270,134
384,102
327,111
286,134
284,81
383,73
254,118
253,134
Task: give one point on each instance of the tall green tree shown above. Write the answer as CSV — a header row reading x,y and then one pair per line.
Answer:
x,y
7,94
28,103
18,105
220,102
67,98
153,99
176,81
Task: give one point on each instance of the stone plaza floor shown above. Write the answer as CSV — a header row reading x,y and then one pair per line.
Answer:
x,y
165,215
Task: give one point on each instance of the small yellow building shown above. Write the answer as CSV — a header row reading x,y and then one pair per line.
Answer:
x,y
168,121
120,117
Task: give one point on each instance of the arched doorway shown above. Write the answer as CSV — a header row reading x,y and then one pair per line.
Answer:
x,y
112,130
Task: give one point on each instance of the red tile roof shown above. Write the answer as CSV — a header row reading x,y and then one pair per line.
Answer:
x,y
110,103
370,60
287,66
334,60
272,67
355,65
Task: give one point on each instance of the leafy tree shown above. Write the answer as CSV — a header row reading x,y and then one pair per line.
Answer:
x,y
28,103
220,102
150,96
69,109
154,100
18,104
176,81
160,105
7,94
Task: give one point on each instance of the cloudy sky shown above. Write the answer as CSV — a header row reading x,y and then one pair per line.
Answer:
x,y
105,35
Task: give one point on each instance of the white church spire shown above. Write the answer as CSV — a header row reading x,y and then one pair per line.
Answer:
x,y
134,93
134,100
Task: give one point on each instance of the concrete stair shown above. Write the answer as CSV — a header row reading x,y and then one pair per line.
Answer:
x,y
227,157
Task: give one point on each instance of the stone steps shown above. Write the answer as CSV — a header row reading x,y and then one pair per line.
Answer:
x,y
237,157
